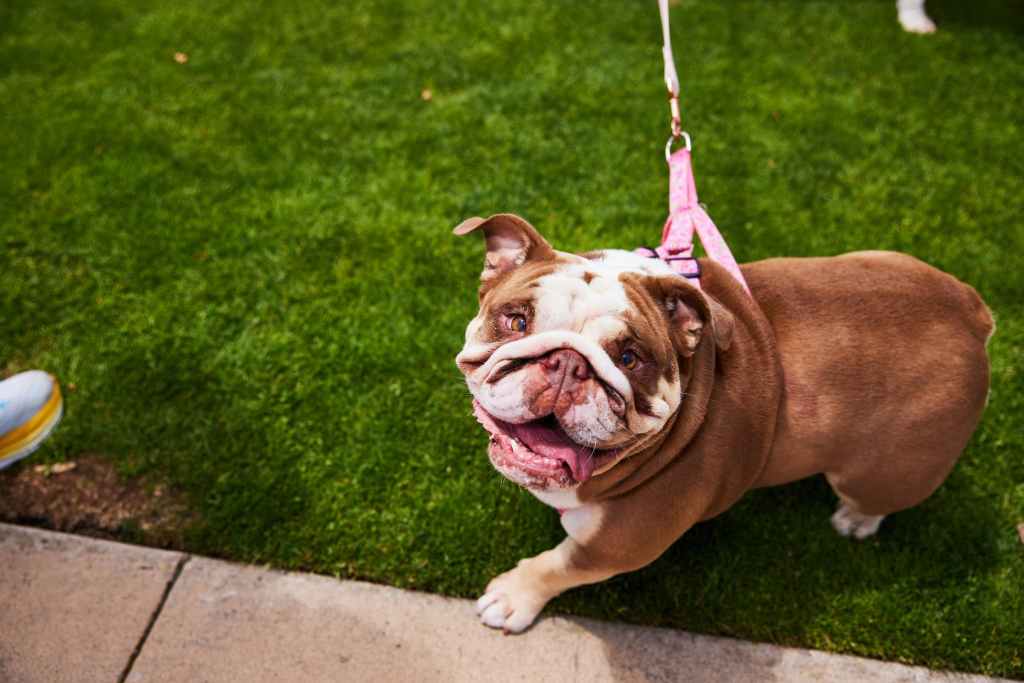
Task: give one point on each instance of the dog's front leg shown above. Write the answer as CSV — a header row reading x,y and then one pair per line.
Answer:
x,y
514,599
613,536
602,542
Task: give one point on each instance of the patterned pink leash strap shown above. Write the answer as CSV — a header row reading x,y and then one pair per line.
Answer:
x,y
687,216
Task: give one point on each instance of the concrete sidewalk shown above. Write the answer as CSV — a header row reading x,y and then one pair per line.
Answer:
x,y
78,609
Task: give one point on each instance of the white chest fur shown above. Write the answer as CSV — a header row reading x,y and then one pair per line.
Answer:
x,y
579,521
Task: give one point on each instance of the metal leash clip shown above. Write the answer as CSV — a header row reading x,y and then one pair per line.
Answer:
x,y
677,126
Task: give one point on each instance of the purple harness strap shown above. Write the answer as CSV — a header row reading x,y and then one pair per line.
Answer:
x,y
686,216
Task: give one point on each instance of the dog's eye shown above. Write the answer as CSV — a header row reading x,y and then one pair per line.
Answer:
x,y
516,323
628,360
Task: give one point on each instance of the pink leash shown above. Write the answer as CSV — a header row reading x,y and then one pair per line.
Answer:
x,y
685,215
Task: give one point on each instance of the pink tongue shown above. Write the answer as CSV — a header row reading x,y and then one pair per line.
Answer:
x,y
551,442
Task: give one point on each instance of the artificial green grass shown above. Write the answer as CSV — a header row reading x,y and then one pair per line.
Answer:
x,y
243,264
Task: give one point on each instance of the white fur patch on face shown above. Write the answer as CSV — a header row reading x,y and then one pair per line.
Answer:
x,y
504,400
622,261
566,300
604,327
473,329
665,402
538,344
592,422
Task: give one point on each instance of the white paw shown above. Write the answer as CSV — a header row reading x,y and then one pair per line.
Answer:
x,y
916,21
509,603
848,522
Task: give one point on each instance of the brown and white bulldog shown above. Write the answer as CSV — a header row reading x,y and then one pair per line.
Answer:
x,y
639,405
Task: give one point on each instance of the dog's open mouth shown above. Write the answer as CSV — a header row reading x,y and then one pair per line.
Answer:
x,y
539,454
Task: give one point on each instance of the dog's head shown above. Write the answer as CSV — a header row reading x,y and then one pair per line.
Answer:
x,y
577,361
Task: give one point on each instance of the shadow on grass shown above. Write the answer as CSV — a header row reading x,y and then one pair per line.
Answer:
x,y
1000,15
741,575
247,505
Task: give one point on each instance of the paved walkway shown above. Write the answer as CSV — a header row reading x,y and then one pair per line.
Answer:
x,y
82,610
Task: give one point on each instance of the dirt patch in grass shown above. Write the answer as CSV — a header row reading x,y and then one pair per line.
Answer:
x,y
88,496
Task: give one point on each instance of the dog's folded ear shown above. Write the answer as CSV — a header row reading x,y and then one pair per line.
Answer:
x,y
510,241
689,311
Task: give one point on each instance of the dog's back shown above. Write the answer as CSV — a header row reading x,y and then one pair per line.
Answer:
x,y
886,373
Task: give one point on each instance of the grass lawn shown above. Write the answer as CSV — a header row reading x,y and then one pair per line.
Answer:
x,y
244,265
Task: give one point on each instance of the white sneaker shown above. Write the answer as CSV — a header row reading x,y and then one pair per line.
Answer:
x,y
30,407
913,17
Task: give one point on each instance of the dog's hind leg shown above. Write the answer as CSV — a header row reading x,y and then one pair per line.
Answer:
x,y
881,483
859,513
849,521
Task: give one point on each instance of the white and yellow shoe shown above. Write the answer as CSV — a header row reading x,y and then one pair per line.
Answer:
x,y
30,407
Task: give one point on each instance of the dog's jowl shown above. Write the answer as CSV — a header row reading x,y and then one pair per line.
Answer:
x,y
638,405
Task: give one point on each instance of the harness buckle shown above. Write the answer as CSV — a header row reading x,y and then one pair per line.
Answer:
x,y
691,272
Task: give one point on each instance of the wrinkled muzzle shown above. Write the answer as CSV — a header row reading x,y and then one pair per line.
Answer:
x,y
553,416
485,367
561,384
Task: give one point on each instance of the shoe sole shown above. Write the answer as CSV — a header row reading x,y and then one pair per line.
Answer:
x,y
23,441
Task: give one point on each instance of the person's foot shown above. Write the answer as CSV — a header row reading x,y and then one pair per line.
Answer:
x,y
913,17
30,407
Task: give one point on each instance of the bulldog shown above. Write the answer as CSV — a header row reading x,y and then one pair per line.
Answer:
x,y
638,404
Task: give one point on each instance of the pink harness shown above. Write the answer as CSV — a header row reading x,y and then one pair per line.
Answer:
x,y
685,214
685,217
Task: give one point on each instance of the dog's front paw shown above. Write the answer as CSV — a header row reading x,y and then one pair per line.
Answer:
x,y
510,602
